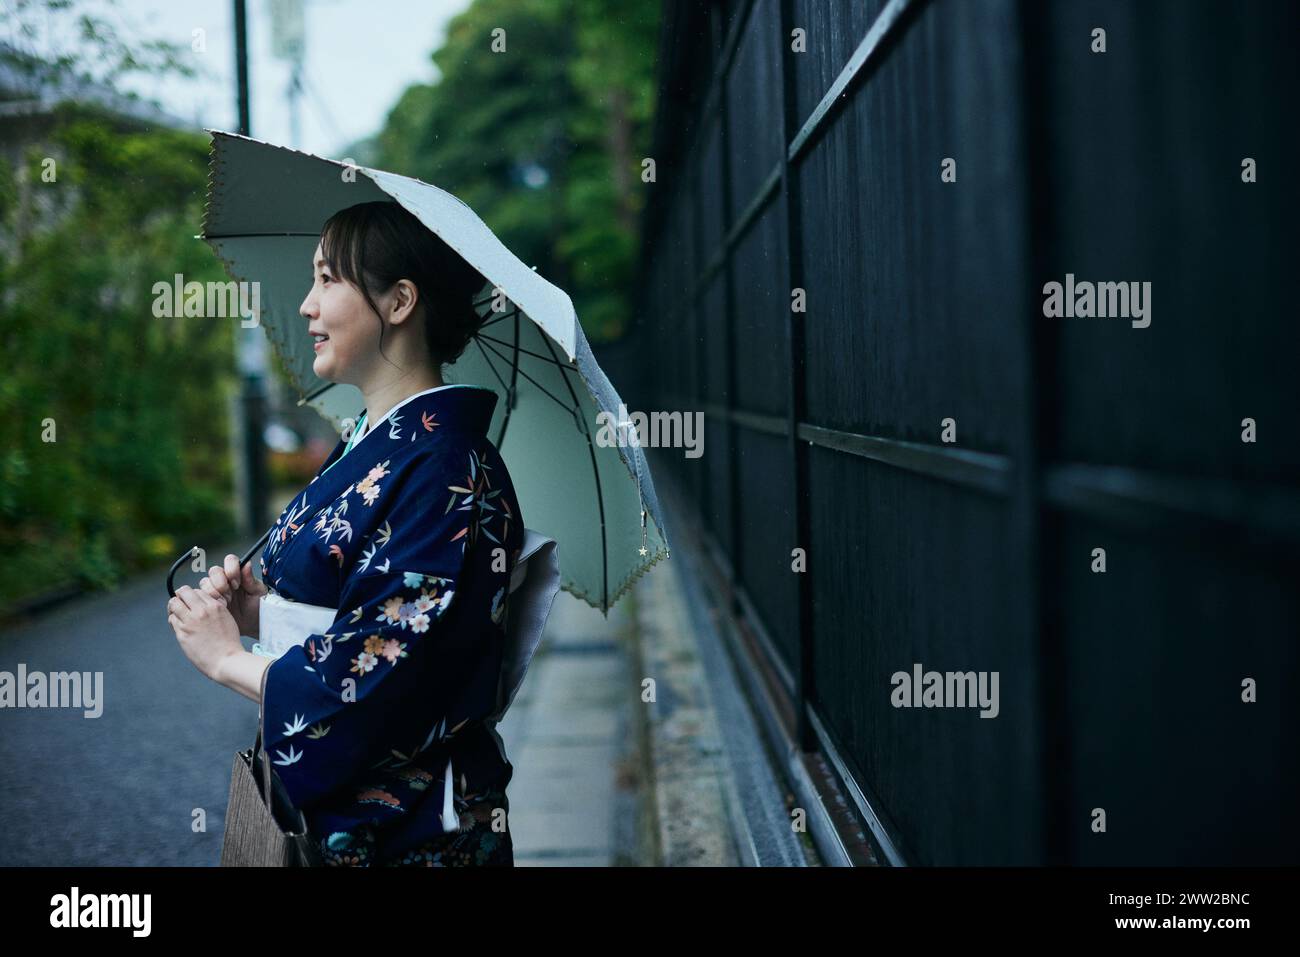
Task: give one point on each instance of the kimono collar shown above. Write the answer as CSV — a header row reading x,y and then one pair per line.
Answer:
x,y
461,407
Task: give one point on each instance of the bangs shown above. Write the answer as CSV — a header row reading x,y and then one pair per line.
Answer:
x,y
342,246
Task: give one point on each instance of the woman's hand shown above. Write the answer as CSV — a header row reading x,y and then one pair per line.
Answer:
x,y
239,590
205,629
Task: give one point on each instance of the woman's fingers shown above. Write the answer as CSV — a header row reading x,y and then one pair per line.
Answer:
x,y
217,575
191,598
232,570
251,585
210,588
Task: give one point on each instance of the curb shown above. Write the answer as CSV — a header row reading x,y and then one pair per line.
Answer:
x,y
686,785
715,794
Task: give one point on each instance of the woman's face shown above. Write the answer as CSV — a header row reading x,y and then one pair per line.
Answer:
x,y
336,309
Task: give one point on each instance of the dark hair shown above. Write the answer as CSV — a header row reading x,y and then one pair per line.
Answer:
x,y
383,242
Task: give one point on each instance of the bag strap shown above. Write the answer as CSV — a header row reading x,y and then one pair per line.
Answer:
x,y
257,745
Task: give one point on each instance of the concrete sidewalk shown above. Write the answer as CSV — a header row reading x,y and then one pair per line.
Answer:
x,y
633,745
568,737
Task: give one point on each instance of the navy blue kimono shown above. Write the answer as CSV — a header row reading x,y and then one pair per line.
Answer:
x,y
412,535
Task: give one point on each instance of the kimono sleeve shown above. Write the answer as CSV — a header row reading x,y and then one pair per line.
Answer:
x,y
387,667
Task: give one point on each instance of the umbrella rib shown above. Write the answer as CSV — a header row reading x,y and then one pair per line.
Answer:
x,y
510,389
519,348
505,315
488,359
514,307
308,398
572,411
600,497
514,381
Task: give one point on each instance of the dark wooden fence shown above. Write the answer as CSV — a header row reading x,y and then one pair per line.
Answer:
x,y
821,171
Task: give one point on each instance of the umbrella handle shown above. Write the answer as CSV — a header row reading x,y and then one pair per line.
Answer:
x,y
176,565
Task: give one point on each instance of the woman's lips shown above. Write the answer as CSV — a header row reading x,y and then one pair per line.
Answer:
x,y
316,346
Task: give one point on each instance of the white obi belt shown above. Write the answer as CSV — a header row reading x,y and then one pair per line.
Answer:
x,y
536,578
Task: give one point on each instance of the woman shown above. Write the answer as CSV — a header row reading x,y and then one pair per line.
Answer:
x,y
411,530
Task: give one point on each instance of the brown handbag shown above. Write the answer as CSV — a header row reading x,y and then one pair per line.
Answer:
x,y
263,828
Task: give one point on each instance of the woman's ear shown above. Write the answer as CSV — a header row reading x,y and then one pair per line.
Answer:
x,y
405,298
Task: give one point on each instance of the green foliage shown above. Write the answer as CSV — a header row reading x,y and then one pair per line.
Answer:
x,y
137,403
572,94
544,140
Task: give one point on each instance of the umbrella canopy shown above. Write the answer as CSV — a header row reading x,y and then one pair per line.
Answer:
x,y
265,208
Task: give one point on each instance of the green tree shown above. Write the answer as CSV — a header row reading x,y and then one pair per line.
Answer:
x,y
94,210
544,139
138,403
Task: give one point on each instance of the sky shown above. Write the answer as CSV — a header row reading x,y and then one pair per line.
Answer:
x,y
360,56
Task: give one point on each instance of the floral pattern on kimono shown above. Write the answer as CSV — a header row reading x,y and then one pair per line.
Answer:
x,y
412,536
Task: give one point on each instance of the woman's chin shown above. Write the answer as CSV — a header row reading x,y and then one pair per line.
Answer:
x,y
323,369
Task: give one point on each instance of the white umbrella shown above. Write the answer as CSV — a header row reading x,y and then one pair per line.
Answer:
x,y
265,208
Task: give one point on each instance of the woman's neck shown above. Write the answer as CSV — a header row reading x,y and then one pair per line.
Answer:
x,y
380,400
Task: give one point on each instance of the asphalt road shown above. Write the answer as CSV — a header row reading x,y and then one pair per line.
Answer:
x,y
122,788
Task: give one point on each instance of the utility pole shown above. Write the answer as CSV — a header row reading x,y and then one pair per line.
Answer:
x,y
289,43
251,344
